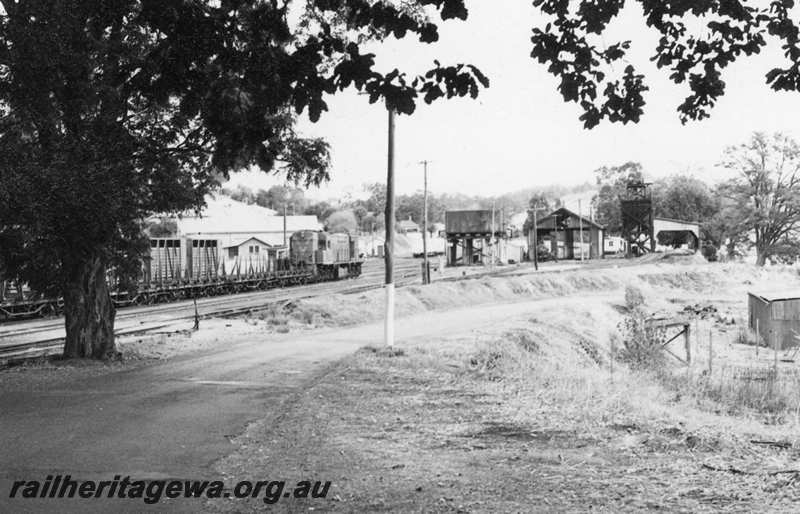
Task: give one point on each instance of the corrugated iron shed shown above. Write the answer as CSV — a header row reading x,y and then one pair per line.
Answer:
x,y
777,294
775,315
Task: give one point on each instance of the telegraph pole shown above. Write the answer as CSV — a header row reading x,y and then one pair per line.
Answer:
x,y
580,225
425,275
284,224
388,332
535,241
502,231
491,239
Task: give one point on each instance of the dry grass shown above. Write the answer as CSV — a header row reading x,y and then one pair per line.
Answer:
x,y
652,282
761,389
550,365
560,365
557,403
744,335
568,355
527,407
752,391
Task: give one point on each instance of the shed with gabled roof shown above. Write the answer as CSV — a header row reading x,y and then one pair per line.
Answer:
x,y
560,232
775,316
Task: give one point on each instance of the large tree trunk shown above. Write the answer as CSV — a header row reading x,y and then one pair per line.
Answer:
x,y
89,311
761,256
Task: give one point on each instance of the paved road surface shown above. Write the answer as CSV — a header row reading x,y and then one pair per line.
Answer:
x,y
174,419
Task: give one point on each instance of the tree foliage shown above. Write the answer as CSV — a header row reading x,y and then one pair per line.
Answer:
x,y
685,198
411,206
572,46
342,221
541,204
613,182
278,197
274,198
240,193
727,229
164,227
112,111
319,209
765,191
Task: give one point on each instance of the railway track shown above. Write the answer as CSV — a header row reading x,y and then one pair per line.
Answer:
x,y
23,340
17,328
26,339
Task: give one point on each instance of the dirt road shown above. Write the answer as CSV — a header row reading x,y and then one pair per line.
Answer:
x,y
177,418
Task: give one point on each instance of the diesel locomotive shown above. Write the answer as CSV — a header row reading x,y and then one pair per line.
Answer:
x,y
183,268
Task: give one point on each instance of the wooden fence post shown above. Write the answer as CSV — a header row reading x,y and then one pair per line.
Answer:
x,y
611,360
758,338
687,342
710,353
775,349
196,314
697,334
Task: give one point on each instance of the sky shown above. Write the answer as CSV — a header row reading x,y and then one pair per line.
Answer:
x,y
519,133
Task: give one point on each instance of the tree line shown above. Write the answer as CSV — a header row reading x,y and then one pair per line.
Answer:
x,y
757,207
365,214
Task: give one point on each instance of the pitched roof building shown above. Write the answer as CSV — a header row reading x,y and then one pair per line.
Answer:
x,y
408,225
230,221
561,232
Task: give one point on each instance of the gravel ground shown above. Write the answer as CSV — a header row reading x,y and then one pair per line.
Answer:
x,y
471,423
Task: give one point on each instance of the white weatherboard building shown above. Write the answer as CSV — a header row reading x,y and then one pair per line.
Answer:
x,y
232,223
614,245
251,255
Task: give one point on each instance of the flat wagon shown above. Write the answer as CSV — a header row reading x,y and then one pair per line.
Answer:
x,y
182,268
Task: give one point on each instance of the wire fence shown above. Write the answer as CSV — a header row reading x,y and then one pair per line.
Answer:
x,y
735,367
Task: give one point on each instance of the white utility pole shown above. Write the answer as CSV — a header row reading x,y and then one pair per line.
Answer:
x,y
580,225
535,240
425,275
388,254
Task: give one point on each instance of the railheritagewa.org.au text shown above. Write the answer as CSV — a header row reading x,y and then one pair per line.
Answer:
x,y
152,491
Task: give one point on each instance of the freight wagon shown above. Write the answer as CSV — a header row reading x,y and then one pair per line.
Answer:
x,y
17,301
184,268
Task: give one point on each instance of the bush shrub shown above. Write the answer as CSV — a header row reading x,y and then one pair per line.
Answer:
x,y
544,255
710,253
642,342
634,298
745,336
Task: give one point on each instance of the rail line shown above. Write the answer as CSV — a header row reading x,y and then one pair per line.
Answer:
x,y
46,336
19,328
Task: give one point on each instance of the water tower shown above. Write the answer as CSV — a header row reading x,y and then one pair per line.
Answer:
x,y
637,218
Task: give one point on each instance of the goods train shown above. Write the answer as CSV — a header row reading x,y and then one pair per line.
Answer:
x,y
186,267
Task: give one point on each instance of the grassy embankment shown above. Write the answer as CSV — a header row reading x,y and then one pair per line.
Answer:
x,y
541,412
